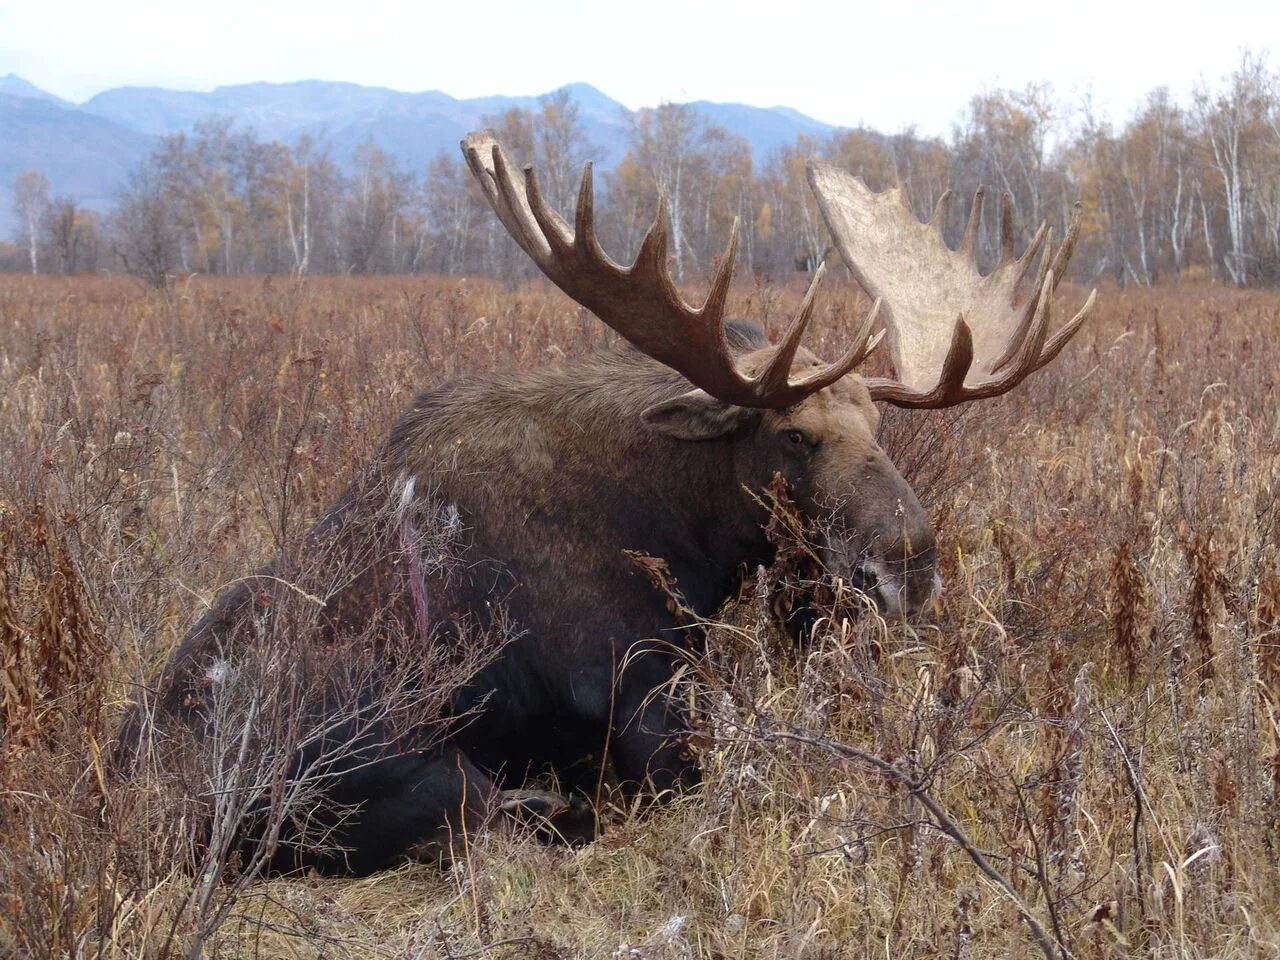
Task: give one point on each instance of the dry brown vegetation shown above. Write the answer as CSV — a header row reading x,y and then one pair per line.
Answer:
x,y
1094,706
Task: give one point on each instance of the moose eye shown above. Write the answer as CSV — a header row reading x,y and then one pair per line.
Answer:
x,y
795,437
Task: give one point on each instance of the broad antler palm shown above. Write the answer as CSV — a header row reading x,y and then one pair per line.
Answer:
x,y
954,334
640,302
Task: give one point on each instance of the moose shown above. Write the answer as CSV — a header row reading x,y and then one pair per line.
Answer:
x,y
660,446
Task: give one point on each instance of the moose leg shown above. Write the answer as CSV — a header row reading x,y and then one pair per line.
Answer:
x,y
648,749
413,805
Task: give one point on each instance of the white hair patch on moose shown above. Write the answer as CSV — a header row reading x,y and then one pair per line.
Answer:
x,y
411,555
219,671
409,484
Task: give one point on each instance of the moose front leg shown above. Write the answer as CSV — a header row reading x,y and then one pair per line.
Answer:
x,y
649,745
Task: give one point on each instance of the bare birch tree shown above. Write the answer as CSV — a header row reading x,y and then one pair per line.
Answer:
x,y
30,205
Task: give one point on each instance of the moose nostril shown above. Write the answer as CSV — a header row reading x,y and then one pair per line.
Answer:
x,y
899,589
866,579
872,579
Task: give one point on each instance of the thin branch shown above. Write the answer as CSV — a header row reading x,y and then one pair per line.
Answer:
x,y
943,821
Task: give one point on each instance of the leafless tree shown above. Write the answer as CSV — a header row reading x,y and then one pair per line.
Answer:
x,y
30,204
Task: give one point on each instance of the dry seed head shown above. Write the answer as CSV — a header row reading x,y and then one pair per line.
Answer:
x,y
1128,607
962,917
1058,692
1202,602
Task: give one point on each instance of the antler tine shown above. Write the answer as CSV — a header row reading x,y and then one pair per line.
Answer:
x,y
1069,241
488,180
711,314
959,359
519,220
1028,259
718,295
777,374
641,301
1069,329
1016,340
950,388
938,220
863,342
969,246
1022,360
584,217
706,324
1006,227
859,349
554,230
650,266
652,255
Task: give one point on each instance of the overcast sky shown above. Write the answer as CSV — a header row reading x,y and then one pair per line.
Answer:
x,y
888,65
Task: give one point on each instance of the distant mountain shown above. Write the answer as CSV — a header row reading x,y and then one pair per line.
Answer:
x,y
414,127
275,110
84,156
14,86
87,149
766,129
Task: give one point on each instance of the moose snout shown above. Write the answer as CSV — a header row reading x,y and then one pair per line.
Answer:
x,y
891,557
899,574
902,588
877,536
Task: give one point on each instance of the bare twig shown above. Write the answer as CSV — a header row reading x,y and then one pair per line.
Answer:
x,y
942,819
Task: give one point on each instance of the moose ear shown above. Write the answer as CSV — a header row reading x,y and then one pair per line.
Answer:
x,y
695,415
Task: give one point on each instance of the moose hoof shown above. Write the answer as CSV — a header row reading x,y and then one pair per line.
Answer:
x,y
550,817
530,806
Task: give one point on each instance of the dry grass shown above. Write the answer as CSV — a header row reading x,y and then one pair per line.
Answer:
x,y
1096,703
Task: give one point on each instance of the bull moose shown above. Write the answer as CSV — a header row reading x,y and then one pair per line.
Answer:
x,y
659,446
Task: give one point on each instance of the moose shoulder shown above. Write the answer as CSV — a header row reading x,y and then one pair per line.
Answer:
x,y
660,446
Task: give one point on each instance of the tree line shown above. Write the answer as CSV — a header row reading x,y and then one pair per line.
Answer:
x,y
1175,192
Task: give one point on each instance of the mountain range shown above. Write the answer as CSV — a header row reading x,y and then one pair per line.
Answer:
x,y
87,149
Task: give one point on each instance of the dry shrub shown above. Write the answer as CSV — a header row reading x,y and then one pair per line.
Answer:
x,y
1093,705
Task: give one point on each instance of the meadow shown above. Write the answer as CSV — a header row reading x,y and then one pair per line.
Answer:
x,y
1077,753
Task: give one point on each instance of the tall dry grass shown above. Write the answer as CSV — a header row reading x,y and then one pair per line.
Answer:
x,y
1095,706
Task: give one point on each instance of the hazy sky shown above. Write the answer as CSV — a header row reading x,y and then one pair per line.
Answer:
x,y
888,65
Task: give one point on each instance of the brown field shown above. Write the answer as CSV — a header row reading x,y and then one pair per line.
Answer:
x,y
1095,704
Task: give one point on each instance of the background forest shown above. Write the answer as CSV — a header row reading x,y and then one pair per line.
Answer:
x,y
1178,192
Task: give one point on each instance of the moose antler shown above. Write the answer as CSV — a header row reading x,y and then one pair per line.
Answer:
x,y
640,302
954,334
